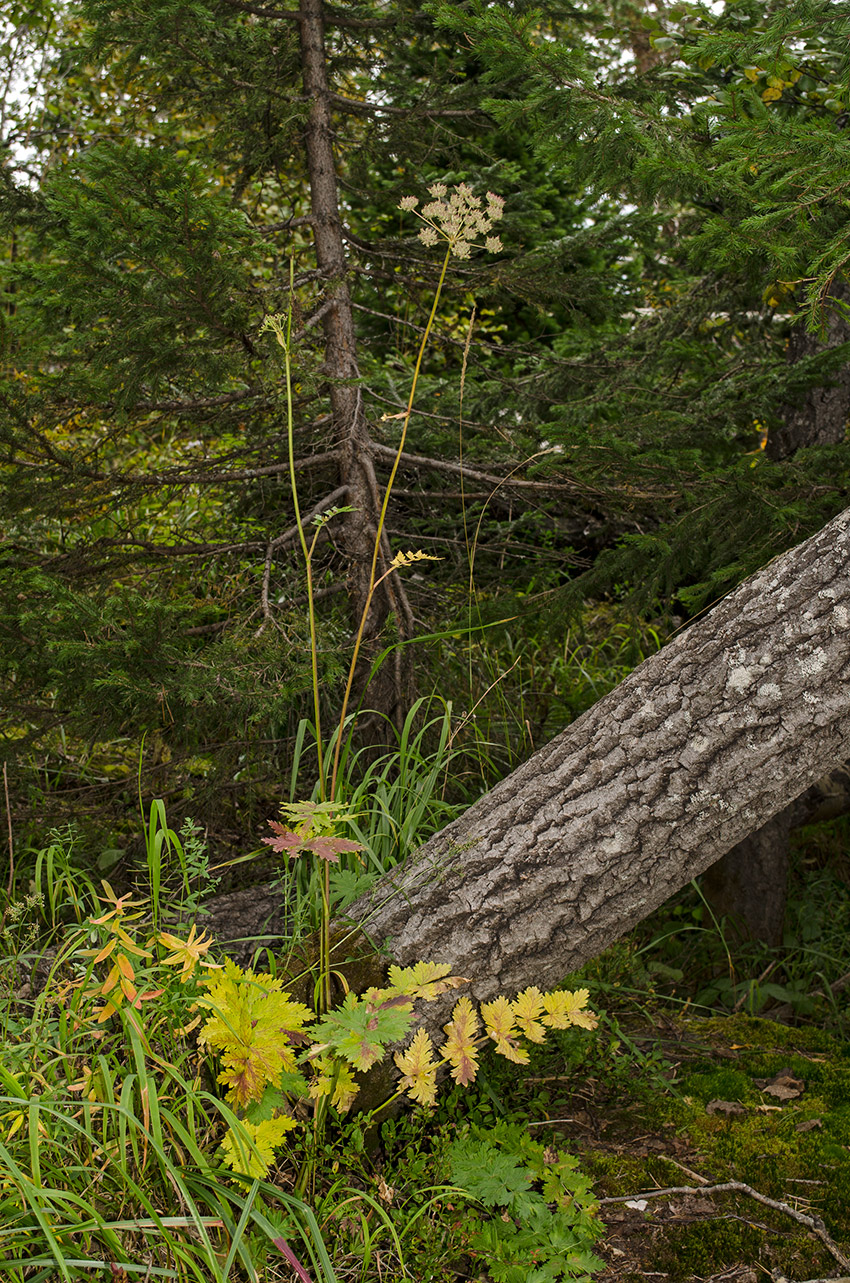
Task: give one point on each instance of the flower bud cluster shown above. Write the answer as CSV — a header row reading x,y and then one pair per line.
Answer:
x,y
458,218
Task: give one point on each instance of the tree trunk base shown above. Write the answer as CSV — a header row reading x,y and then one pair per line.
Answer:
x,y
749,886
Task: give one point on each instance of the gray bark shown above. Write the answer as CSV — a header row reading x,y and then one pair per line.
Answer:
x,y
699,747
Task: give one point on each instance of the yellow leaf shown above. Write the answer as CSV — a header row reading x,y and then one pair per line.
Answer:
x,y
564,1008
334,1079
498,1017
425,980
460,1049
255,1027
419,1072
188,953
771,95
130,944
106,951
528,1008
345,1090
253,1156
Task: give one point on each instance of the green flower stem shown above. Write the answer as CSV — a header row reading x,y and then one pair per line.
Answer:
x,y
382,519
284,341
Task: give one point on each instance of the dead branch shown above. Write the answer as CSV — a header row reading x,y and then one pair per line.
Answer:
x,y
812,1223
488,478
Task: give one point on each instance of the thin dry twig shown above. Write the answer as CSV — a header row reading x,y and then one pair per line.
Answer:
x,y
812,1223
780,1278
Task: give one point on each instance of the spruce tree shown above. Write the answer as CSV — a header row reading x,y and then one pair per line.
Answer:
x,y
673,207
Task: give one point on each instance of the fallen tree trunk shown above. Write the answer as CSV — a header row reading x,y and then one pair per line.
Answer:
x,y
699,747
702,745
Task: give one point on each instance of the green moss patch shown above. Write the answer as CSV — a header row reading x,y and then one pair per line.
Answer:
x,y
744,1100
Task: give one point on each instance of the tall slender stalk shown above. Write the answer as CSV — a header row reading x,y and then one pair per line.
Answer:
x,y
284,339
382,519
458,221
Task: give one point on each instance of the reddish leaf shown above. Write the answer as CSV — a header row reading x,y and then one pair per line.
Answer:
x,y
285,842
330,848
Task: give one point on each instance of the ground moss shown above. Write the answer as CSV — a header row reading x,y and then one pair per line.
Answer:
x,y
754,1032
796,1151
622,1174
720,1083
710,1246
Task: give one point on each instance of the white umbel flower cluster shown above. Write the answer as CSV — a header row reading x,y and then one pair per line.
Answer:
x,y
458,217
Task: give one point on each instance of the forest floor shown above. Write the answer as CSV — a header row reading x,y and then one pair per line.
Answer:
x,y
745,1100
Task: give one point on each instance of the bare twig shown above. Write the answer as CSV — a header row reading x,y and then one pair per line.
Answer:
x,y
358,107
812,1223
780,1278
320,312
458,469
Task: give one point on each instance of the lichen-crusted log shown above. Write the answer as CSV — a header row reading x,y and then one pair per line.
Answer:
x,y
700,746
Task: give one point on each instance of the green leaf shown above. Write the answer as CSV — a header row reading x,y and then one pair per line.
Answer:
x,y
491,1177
358,1030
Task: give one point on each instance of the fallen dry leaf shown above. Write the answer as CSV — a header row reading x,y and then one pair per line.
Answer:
x,y
727,1107
783,1085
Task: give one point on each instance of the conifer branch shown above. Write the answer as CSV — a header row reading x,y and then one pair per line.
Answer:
x,y
357,107
332,16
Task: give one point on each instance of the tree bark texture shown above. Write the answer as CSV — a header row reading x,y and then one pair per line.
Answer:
x,y
350,426
702,745
749,885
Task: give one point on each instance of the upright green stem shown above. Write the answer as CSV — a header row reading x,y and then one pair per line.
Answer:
x,y
284,342
381,521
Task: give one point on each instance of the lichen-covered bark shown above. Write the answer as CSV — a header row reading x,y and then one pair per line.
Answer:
x,y
699,747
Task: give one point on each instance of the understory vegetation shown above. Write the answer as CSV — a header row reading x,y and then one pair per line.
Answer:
x,y
149,1128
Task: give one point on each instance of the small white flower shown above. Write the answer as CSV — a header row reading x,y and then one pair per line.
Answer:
x,y
458,218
